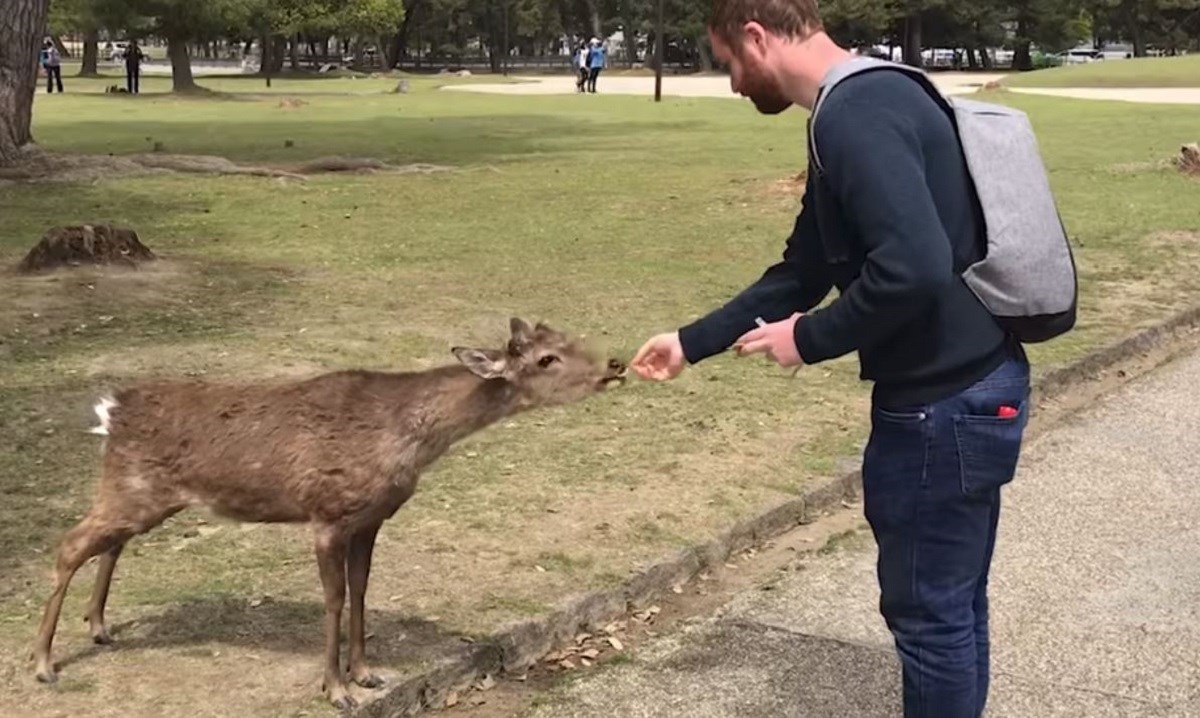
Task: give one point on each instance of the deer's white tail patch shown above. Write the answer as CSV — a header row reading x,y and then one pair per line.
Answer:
x,y
103,409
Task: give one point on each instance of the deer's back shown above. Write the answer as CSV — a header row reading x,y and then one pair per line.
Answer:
x,y
323,448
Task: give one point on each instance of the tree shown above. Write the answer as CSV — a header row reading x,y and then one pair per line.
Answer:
x,y
22,26
78,16
179,22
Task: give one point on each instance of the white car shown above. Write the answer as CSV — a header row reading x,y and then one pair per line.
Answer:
x,y
116,50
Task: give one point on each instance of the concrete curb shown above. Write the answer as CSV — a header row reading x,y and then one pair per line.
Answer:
x,y
521,645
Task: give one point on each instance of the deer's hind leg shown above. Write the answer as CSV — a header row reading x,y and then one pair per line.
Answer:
x,y
95,614
105,529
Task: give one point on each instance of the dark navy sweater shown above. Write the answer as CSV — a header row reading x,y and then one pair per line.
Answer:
x,y
891,222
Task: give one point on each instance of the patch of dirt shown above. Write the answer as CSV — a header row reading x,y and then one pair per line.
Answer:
x,y
37,165
86,244
792,185
364,164
1188,160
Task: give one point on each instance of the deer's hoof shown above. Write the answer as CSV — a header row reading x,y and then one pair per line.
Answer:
x,y
102,639
370,681
47,676
345,703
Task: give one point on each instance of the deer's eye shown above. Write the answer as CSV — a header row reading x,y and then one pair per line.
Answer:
x,y
547,360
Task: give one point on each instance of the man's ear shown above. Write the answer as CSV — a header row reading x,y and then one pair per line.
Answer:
x,y
483,363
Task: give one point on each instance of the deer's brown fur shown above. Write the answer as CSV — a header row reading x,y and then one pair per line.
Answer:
x,y
342,451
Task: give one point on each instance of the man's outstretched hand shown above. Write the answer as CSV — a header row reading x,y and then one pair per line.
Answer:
x,y
660,359
777,340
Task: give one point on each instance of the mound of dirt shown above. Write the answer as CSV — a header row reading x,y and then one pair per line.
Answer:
x,y
86,244
36,165
1188,160
362,164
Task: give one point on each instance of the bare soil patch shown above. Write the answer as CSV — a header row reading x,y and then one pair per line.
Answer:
x,y
86,244
37,165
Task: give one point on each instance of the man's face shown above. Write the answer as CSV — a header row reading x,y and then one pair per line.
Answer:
x,y
749,70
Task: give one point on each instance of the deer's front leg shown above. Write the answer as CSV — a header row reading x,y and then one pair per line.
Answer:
x,y
331,561
358,565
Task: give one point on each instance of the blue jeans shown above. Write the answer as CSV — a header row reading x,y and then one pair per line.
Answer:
x,y
931,491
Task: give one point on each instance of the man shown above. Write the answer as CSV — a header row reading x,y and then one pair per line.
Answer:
x,y
133,67
52,63
596,59
891,222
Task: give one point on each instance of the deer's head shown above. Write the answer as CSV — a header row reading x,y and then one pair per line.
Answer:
x,y
544,365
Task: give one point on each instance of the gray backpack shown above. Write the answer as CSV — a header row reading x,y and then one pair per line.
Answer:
x,y
1027,277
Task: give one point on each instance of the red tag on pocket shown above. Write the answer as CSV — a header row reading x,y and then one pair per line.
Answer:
x,y
1006,412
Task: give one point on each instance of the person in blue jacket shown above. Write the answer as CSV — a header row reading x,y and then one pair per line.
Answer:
x,y
596,58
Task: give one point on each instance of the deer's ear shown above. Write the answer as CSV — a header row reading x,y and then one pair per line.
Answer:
x,y
483,363
522,335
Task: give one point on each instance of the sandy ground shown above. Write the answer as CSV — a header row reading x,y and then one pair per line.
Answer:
x,y
953,83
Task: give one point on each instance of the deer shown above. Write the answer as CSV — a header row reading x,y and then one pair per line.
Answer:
x,y
341,451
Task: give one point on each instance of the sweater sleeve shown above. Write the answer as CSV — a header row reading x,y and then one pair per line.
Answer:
x,y
875,167
795,284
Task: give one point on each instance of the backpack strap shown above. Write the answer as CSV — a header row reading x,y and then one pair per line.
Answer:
x,y
855,66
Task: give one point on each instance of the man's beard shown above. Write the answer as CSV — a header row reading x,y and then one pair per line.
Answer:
x,y
766,98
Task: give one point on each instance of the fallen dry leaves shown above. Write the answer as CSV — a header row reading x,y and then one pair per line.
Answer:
x,y
588,648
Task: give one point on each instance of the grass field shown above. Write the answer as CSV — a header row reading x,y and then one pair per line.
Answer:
x,y
607,215
1138,72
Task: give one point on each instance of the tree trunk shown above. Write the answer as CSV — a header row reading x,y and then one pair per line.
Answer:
x,y
264,62
972,60
383,53
295,51
21,31
986,58
278,54
594,16
91,54
359,51
706,64
1135,36
1022,60
181,65
912,40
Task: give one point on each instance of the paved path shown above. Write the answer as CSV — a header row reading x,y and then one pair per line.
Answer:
x,y
1095,592
953,83
679,86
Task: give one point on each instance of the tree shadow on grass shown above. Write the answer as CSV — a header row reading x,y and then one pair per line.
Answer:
x,y
454,140
276,625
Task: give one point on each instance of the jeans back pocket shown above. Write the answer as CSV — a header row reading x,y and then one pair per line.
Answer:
x,y
989,447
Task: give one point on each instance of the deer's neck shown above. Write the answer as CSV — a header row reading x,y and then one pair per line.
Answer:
x,y
459,404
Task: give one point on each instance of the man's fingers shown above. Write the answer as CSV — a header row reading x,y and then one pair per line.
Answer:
x,y
644,353
752,335
754,347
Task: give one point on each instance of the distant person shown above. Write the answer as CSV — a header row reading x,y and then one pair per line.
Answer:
x,y
580,60
52,63
596,58
133,67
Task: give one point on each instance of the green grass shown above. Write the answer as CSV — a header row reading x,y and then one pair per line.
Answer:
x,y
607,215
1138,72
